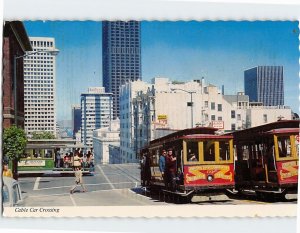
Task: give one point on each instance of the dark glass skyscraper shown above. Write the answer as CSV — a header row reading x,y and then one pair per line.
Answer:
x,y
121,56
265,84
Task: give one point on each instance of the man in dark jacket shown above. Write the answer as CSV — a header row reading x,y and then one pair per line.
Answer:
x,y
171,169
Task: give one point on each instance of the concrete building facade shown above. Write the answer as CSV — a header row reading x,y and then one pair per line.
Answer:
x,y
96,113
40,87
103,138
166,105
121,56
127,131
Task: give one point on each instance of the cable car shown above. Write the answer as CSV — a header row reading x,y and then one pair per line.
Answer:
x,y
204,163
267,158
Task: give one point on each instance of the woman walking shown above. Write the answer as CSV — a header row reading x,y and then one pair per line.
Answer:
x,y
78,180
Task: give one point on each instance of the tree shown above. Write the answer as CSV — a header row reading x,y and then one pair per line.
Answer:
x,y
14,143
42,135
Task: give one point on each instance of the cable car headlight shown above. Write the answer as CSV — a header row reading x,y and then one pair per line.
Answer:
x,y
210,178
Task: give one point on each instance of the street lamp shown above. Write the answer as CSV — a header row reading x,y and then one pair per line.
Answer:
x,y
189,103
53,52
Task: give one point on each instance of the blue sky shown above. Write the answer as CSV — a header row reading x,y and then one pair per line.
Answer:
x,y
218,51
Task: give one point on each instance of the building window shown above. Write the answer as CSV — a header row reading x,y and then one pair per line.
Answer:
x,y
219,118
212,106
232,114
265,118
238,117
220,107
213,117
233,127
206,104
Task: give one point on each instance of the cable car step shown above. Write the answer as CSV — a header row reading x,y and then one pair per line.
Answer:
x,y
183,194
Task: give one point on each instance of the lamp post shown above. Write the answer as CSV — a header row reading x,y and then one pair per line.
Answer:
x,y
189,103
52,52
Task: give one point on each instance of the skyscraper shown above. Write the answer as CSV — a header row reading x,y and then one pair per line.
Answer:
x,y
76,119
265,84
96,112
121,56
40,87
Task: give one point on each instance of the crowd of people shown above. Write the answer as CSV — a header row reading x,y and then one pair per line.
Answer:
x,y
167,166
76,159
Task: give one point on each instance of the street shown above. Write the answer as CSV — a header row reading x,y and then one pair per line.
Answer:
x,y
112,185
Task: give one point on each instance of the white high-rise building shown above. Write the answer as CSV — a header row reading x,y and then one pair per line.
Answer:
x,y
96,112
40,87
128,92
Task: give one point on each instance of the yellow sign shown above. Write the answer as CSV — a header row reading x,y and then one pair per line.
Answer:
x,y
201,172
291,168
162,117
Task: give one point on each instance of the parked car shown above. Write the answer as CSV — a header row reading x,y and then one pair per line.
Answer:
x,y
11,193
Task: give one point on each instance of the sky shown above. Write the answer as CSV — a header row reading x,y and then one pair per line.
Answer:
x,y
219,51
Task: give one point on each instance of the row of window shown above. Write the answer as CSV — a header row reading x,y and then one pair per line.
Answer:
x,y
36,43
38,69
38,62
38,73
36,115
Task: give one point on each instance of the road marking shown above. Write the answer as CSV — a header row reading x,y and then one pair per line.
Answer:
x,y
106,178
73,201
58,187
36,183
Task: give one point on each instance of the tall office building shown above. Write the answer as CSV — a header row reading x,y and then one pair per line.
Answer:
x,y
121,52
76,119
96,112
265,84
40,87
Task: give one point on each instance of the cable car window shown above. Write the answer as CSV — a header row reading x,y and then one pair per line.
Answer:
x,y
38,153
209,151
48,153
192,151
245,152
224,150
284,146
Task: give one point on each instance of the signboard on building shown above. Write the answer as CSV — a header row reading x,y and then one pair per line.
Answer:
x,y
32,163
96,90
162,117
162,120
217,124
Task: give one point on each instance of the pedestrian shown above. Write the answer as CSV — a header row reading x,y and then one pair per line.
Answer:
x,y
92,162
58,158
171,170
76,160
66,160
78,180
6,171
162,165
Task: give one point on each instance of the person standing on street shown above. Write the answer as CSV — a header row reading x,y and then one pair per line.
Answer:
x,y
78,180
6,171
162,165
171,169
58,158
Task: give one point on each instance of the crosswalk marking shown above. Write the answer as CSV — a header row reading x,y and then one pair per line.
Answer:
x,y
106,178
36,183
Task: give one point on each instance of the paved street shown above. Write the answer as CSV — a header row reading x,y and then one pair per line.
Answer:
x,y
112,185
115,185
